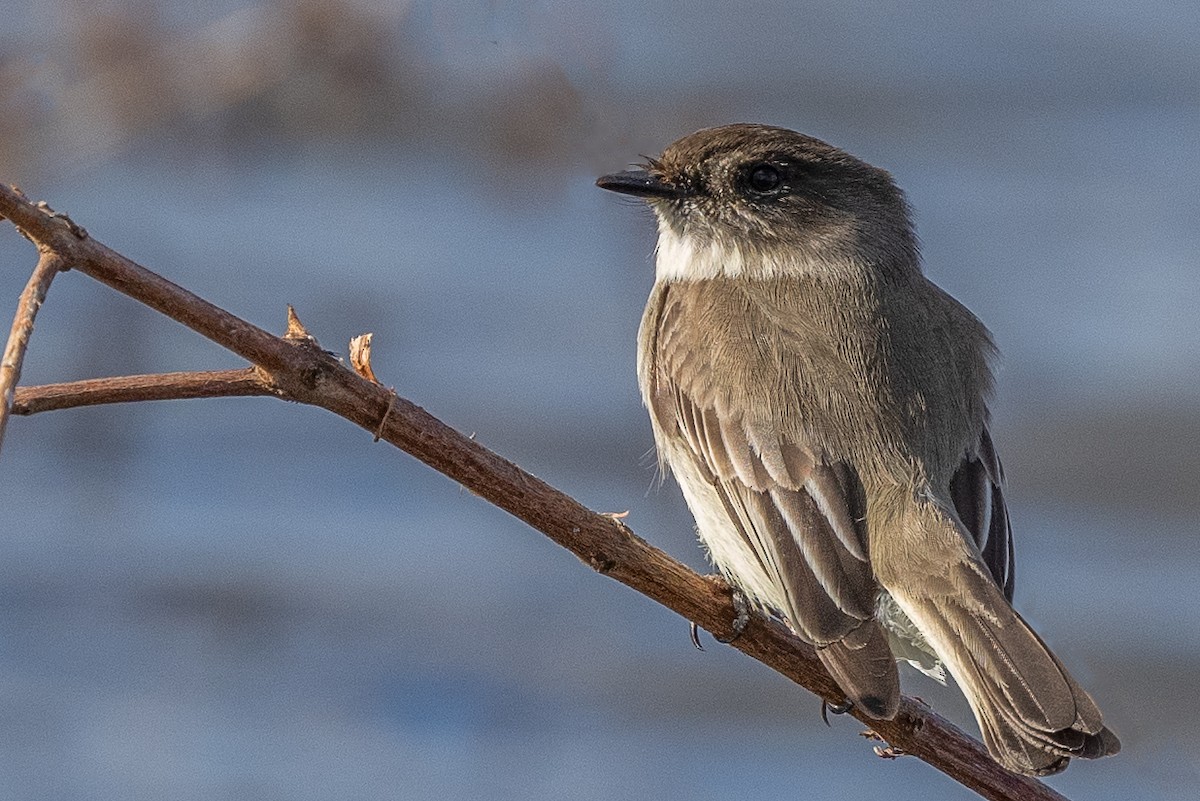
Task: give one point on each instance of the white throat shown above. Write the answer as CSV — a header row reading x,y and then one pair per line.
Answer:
x,y
680,257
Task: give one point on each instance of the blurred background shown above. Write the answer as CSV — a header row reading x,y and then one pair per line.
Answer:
x,y
241,599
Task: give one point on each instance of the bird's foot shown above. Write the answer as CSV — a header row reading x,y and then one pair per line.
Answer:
x,y
741,608
741,619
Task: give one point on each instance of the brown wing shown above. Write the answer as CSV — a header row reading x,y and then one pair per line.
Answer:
x,y
978,493
799,514
813,551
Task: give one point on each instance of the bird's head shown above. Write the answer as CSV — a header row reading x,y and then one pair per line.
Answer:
x,y
757,200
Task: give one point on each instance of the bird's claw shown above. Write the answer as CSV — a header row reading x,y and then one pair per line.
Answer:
x,y
741,608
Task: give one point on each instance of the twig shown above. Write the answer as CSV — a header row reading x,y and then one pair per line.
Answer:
x,y
48,266
163,386
297,369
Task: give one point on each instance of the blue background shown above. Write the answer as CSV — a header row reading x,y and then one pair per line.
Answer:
x,y
245,599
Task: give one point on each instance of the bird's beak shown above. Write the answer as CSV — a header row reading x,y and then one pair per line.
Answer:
x,y
639,183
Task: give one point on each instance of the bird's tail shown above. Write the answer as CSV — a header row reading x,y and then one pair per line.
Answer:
x,y
1033,715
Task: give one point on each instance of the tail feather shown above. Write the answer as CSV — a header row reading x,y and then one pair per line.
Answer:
x,y
1033,715
863,666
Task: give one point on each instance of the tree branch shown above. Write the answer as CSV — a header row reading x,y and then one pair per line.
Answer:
x,y
295,368
48,266
163,386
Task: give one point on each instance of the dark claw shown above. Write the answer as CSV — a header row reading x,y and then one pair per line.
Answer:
x,y
741,620
696,637
837,709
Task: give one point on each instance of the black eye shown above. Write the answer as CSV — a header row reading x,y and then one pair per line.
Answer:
x,y
764,179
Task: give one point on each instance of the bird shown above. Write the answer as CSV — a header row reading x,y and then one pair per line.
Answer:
x,y
823,406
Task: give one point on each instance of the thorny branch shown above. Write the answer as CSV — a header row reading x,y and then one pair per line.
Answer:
x,y
295,368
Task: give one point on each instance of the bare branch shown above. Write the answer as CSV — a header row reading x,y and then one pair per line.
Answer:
x,y
297,369
57,233
48,266
124,389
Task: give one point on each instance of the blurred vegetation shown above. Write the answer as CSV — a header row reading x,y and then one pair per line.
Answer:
x,y
275,74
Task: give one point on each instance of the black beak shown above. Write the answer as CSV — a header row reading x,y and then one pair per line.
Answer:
x,y
639,183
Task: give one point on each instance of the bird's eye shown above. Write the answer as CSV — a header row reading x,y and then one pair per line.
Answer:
x,y
764,179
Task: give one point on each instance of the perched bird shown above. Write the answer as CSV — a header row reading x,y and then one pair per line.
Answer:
x,y
823,406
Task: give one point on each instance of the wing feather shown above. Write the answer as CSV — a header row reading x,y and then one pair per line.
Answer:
x,y
977,490
797,513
